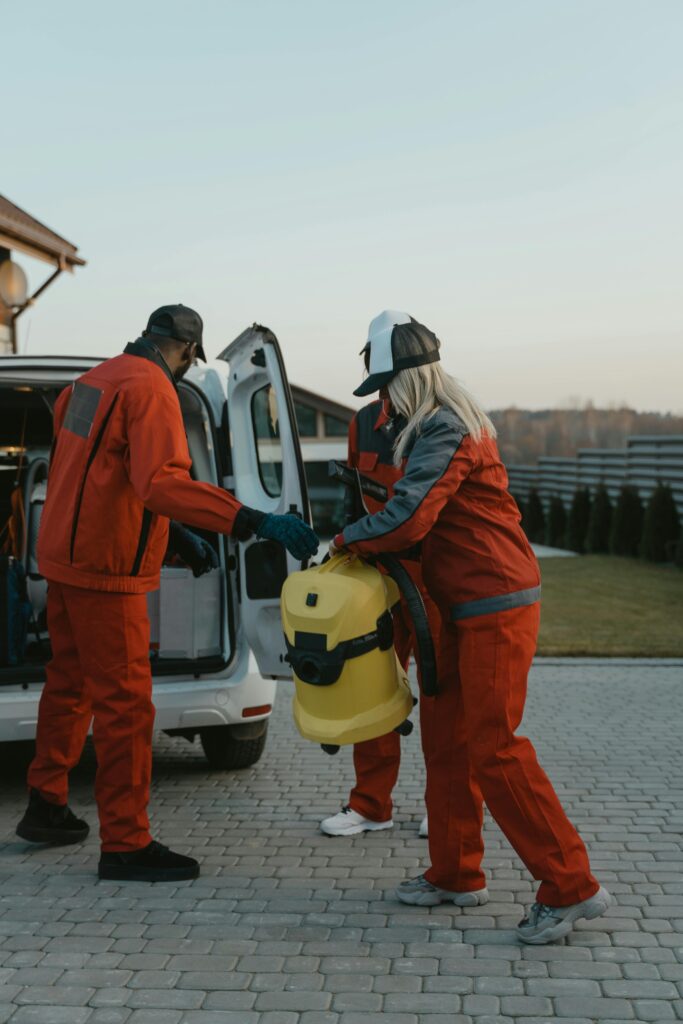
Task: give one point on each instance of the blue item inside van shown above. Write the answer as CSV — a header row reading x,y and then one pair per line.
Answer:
x,y
15,611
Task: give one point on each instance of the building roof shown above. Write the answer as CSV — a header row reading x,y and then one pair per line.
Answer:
x,y
19,230
327,405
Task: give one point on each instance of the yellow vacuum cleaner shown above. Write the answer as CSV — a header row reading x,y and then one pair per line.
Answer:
x,y
350,686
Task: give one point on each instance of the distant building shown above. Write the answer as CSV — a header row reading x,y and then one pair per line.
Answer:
x,y
20,232
323,429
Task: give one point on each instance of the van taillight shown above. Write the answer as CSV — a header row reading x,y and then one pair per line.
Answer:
x,y
262,709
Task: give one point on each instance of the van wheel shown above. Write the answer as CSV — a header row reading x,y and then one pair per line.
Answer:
x,y
233,746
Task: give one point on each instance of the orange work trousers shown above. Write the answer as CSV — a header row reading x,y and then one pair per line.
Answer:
x,y
376,762
99,672
473,755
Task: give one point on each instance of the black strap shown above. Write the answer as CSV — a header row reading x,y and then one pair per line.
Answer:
x,y
313,664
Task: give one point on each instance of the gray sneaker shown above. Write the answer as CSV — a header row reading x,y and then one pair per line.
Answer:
x,y
548,924
421,893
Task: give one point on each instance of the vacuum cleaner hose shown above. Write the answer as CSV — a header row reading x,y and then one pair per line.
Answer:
x,y
426,655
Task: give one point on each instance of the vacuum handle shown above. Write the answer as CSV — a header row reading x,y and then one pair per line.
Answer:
x,y
425,652
350,477
331,562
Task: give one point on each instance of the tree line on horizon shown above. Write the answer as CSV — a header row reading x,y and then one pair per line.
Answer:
x,y
526,434
595,525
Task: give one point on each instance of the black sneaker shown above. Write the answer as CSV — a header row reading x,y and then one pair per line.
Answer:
x,y
152,863
50,823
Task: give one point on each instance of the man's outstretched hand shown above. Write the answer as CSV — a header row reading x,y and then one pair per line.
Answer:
x,y
291,532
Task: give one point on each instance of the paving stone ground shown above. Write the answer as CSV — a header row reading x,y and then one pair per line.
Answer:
x,y
287,926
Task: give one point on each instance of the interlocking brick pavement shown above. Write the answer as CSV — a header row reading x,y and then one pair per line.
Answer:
x,y
286,926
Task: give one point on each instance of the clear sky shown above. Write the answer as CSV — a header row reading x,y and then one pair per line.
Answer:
x,y
508,171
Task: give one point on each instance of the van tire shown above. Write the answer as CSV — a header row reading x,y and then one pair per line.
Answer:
x,y
227,747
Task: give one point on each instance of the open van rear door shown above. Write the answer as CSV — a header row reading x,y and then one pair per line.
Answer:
x,y
269,475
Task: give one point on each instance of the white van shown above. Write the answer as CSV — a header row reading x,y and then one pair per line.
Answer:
x,y
217,642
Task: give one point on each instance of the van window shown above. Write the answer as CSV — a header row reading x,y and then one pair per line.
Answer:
x,y
327,500
265,419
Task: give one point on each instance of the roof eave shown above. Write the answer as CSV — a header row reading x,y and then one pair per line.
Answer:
x,y
67,259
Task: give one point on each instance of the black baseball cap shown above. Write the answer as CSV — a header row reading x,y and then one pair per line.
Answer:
x,y
179,322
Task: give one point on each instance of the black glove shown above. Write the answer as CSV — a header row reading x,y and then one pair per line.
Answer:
x,y
194,550
291,532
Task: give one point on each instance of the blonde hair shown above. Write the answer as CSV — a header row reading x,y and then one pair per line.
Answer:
x,y
419,392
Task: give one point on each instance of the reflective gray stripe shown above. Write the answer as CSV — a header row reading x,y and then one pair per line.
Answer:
x,y
82,409
501,603
429,460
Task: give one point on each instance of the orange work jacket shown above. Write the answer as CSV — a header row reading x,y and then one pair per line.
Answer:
x,y
119,470
452,498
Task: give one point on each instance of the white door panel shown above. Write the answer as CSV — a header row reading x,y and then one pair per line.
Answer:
x,y
269,475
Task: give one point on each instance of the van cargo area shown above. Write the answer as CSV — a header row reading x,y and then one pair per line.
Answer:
x,y
190,619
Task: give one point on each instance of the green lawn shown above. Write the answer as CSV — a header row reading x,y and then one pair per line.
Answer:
x,y
604,606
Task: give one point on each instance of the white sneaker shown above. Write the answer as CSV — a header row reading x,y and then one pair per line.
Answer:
x,y
421,893
350,823
424,828
548,924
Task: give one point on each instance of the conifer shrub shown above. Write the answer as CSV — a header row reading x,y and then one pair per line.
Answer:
x,y
577,520
534,518
627,523
556,523
661,526
597,539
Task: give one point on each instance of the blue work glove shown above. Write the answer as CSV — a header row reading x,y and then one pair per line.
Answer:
x,y
291,532
192,549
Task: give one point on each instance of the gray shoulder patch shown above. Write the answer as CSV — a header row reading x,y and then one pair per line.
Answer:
x,y
83,406
442,420
446,419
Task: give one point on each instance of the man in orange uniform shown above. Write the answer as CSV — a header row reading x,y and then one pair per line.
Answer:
x,y
376,762
120,469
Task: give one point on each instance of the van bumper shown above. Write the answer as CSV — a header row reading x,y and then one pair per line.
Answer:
x,y
180,704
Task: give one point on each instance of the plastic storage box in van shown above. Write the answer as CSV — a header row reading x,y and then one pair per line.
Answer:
x,y
185,614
